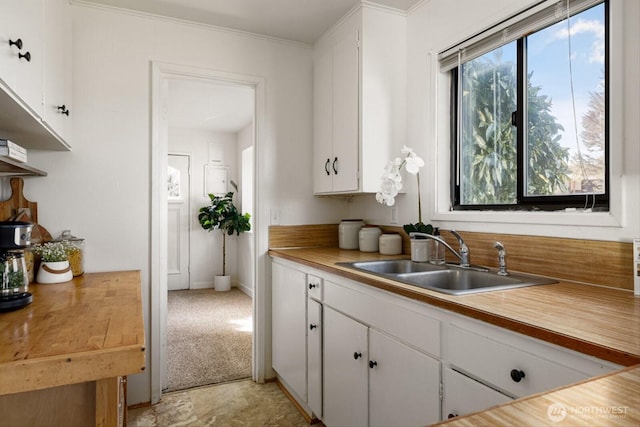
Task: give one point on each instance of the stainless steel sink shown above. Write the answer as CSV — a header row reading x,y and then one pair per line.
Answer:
x,y
447,278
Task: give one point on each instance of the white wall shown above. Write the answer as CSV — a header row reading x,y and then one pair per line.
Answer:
x,y
438,24
246,247
101,190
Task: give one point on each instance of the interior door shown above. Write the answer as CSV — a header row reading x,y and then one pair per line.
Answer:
x,y
178,187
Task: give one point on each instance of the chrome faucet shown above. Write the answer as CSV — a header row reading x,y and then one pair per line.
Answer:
x,y
463,255
501,259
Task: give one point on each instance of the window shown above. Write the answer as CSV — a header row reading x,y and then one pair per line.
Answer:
x,y
529,111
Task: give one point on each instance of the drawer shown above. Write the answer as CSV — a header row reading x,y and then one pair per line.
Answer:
x,y
314,287
506,367
463,395
382,313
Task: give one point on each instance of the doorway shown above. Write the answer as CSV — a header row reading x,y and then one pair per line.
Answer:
x,y
162,75
179,225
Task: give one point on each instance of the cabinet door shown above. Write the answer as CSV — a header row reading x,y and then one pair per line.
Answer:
x,y
345,370
57,67
404,384
323,121
346,68
289,323
314,357
22,20
463,395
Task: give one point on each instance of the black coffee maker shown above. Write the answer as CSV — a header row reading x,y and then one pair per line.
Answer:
x,y
15,237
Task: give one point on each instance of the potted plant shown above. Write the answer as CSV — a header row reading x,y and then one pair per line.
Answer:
x,y
223,215
54,262
390,187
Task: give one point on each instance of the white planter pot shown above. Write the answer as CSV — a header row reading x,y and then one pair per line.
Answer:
x,y
420,250
54,272
222,283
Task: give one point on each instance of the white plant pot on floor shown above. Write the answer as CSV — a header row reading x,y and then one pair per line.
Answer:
x,y
222,283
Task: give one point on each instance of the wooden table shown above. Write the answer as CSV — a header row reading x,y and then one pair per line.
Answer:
x,y
62,358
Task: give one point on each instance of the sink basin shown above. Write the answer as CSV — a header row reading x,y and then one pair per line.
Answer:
x,y
396,266
445,278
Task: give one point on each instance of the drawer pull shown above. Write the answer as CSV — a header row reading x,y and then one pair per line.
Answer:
x,y
17,43
26,56
452,416
312,285
312,327
517,375
373,364
357,355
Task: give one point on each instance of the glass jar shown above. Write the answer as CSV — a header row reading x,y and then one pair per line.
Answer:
x,y
75,251
15,279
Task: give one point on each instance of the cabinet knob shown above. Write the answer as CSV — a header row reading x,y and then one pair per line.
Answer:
x,y
334,166
26,56
17,43
312,285
357,355
63,110
452,415
517,375
326,167
372,364
312,327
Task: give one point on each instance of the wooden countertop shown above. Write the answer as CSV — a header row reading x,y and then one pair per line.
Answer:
x,y
593,320
88,329
609,400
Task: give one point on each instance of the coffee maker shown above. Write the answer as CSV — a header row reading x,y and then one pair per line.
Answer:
x,y
15,237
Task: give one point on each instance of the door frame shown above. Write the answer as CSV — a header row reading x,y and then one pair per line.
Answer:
x,y
160,73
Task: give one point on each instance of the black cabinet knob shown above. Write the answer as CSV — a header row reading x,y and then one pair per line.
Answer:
x,y
312,285
17,43
63,110
517,375
452,416
312,327
26,56
372,364
357,355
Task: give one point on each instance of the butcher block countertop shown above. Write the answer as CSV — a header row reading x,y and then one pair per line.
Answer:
x,y
602,322
88,329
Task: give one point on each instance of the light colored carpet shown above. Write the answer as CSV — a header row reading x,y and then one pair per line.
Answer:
x,y
209,337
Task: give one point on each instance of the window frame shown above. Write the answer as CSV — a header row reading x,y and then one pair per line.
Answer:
x,y
598,202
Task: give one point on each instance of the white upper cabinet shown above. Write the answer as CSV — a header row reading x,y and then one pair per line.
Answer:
x,y
359,100
21,51
57,77
35,70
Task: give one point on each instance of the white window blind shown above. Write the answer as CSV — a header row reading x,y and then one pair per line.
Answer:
x,y
536,17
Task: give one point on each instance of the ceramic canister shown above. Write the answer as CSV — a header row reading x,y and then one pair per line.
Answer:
x,y
348,233
390,244
369,238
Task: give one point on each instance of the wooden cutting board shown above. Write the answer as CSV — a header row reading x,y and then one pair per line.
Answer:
x,y
10,208
18,208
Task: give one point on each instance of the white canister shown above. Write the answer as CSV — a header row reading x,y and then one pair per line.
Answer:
x,y
348,233
369,238
420,250
390,244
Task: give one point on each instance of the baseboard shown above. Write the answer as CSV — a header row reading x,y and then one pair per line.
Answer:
x,y
298,406
245,289
201,285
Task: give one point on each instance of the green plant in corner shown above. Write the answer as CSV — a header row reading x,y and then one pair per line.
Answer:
x,y
223,215
392,184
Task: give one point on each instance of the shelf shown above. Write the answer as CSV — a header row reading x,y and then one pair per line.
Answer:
x,y
10,167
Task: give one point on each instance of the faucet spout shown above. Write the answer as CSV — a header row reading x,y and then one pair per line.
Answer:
x,y
464,249
440,240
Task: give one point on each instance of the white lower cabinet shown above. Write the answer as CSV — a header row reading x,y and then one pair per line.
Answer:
x,y
372,379
463,395
289,332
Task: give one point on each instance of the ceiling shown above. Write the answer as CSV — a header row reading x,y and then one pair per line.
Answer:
x,y
223,108
210,106
297,20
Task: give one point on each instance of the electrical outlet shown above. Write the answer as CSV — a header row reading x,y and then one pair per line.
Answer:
x,y
275,216
394,215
